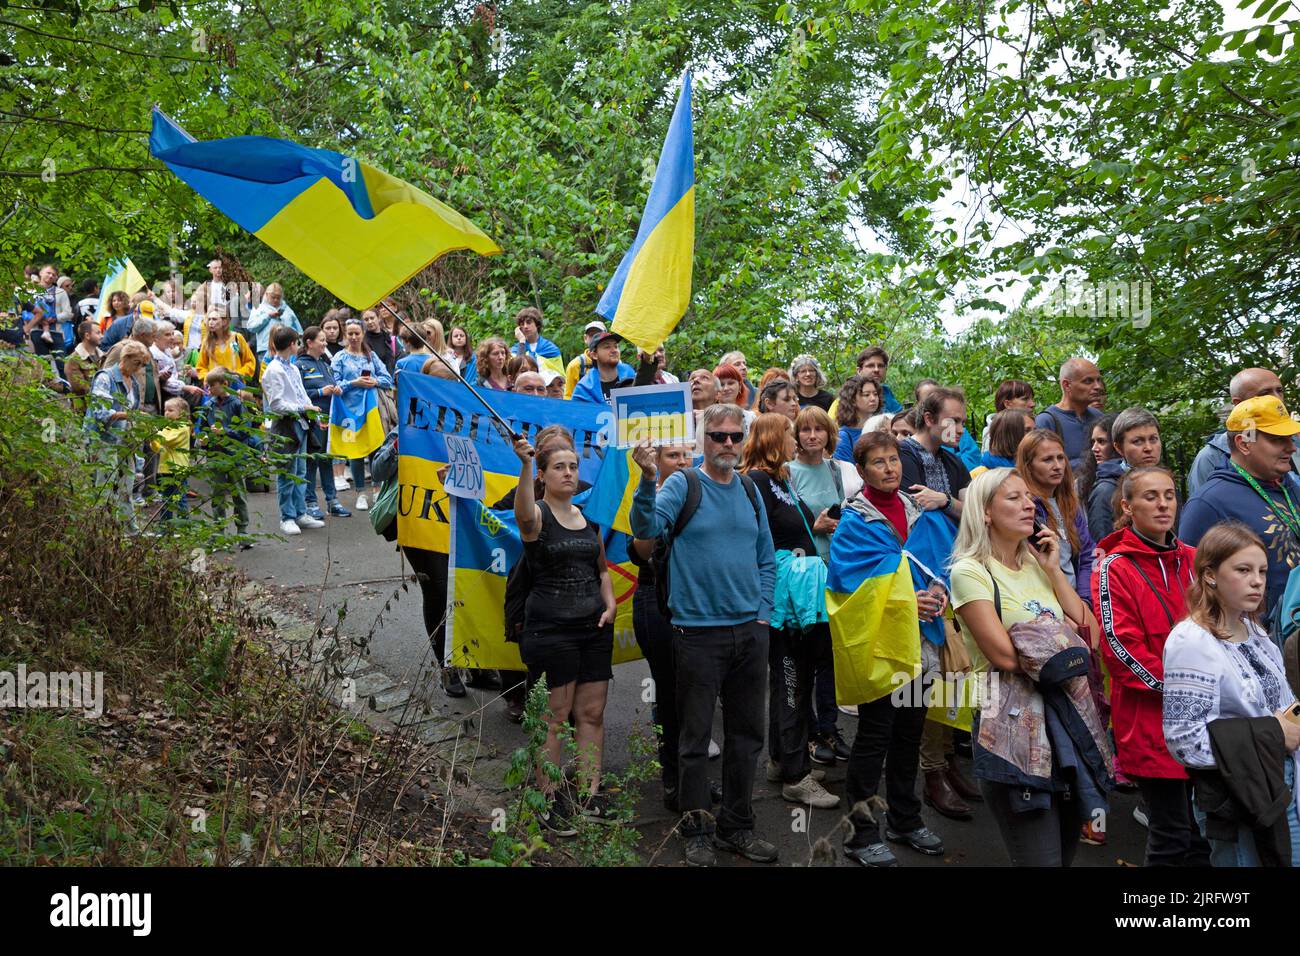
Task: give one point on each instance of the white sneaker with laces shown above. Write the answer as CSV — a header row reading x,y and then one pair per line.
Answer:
x,y
810,793
342,484
307,521
362,503
290,527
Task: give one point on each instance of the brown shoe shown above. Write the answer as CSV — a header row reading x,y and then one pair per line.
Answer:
x,y
943,797
965,787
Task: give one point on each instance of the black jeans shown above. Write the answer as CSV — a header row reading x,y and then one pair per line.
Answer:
x,y
1173,838
1033,837
431,570
654,635
824,719
712,662
889,734
791,664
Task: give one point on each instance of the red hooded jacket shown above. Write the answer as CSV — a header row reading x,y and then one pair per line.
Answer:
x,y
1136,615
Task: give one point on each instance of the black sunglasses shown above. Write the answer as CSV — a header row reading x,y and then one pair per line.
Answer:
x,y
722,437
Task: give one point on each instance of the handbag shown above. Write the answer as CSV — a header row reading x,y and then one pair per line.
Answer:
x,y
383,512
954,658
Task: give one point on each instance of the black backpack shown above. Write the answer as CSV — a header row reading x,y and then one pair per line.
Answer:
x,y
664,546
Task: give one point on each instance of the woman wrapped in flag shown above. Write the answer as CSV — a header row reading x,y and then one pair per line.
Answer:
x,y
355,428
883,601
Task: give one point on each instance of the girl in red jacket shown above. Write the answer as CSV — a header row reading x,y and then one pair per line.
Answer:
x,y
1138,592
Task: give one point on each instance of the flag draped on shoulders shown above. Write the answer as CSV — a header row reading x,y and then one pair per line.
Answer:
x,y
353,228
651,288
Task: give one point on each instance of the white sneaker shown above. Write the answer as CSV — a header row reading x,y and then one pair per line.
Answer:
x,y
774,772
342,484
810,793
714,750
850,709
362,504
307,521
290,527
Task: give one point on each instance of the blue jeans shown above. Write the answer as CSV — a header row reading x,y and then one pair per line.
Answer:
x,y
1243,852
291,484
324,468
358,466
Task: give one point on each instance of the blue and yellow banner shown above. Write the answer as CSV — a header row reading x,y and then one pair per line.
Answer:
x,y
651,288
485,546
428,408
353,228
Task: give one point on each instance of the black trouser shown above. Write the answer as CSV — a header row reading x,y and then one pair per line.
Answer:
x,y
1046,837
791,666
431,571
712,662
1173,838
654,635
826,713
889,733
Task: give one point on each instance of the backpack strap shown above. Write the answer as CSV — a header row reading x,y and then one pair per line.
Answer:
x,y
997,593
1052,413
691,504
752,490
837,478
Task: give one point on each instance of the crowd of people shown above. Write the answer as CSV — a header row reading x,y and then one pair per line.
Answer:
x,y
1127,628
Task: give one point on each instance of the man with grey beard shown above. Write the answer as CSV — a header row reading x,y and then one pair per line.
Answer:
x,y
721,574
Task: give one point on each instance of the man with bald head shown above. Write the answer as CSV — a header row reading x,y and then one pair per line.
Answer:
x,y
530,383
1246,384
1074,415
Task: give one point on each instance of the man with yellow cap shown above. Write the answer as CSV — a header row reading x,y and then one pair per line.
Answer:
x,y
1255,486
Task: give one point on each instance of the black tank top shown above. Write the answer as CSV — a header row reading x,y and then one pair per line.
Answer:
x,y
566,580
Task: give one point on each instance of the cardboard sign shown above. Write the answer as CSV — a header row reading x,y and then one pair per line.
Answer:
x,y
464,469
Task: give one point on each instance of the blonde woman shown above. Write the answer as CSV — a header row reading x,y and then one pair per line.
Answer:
x,y
223,348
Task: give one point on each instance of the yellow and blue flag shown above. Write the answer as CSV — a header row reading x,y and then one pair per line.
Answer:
x,y
610,500
652,286
355,427
354,229
871,601
122,276
485,545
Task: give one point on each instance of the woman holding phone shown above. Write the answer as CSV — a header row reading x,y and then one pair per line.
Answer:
x,y
1004,574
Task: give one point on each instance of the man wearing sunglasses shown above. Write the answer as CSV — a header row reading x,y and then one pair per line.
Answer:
x,y
721,577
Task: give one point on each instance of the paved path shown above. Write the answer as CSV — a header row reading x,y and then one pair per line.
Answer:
x,y
347,561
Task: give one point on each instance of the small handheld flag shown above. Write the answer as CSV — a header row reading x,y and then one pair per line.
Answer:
x,y
652,286
122,276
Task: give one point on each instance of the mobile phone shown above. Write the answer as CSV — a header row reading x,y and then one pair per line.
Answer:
x,y
834,512
1293,713
1038,529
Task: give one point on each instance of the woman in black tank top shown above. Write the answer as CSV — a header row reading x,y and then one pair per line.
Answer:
x,y
569,615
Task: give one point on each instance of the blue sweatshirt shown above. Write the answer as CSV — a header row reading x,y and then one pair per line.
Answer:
x,y
723,567
1226,496
317,374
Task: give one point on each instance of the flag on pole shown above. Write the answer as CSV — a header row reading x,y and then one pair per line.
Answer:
x,y
122,276
652,286
353,228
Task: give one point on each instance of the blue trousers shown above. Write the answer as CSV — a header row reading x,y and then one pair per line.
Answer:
x,y
291,482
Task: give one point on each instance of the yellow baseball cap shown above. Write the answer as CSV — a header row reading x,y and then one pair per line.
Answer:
x,y
146,309
1264,413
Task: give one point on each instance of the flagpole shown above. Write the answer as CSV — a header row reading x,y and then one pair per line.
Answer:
x,y
505,426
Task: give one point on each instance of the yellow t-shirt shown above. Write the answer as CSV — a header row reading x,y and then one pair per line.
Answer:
x,y
971,581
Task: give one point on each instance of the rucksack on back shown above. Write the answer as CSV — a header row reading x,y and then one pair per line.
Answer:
x,y
664,546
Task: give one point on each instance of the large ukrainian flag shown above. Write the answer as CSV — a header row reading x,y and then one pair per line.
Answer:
x,y
355,229
485,545
122,276
652,286
871,600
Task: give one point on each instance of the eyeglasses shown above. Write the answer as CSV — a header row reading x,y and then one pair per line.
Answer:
x,y
723,437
